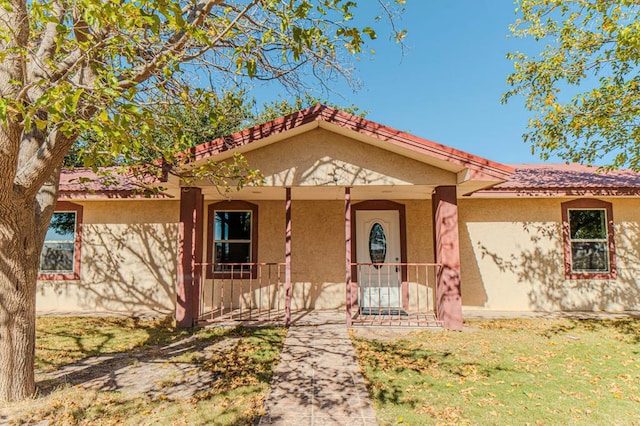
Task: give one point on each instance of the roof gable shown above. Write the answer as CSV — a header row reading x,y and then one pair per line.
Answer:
x,y
448,158
322,157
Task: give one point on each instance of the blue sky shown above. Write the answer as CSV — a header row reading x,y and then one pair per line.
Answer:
x,y
447,87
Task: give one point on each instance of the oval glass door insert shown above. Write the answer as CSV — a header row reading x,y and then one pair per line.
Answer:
x,y
377,244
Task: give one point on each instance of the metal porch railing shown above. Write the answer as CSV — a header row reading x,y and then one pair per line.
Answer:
x,y
400,294
242,291
397,294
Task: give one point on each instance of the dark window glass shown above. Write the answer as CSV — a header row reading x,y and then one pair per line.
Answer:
x,y
590,256
589,240
588,224
233,252
232,226
58,252
377,244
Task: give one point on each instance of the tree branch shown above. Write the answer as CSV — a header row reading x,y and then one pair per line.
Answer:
x,y
12,68
196,18
33,174
47,47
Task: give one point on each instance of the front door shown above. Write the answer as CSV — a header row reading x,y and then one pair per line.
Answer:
x,y
378,245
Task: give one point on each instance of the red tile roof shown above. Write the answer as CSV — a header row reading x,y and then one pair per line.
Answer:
x,y
108,182
521,180
566,179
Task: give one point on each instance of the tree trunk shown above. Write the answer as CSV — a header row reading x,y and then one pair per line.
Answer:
x,y
21,236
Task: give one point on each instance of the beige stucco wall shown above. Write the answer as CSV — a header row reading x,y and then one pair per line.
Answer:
x,y
512,258
318,255
130,251
129,260
313,157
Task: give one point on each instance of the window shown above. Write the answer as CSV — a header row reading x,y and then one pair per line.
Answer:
x,y
233,230
377,244
588,238
60,257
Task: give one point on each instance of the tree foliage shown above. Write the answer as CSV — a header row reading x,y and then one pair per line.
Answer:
x,y
115,69
195,122
121,72
583,85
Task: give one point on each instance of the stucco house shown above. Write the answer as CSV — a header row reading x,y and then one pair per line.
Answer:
x,y
351,215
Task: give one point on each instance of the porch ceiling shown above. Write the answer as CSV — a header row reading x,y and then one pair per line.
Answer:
x,y
408,192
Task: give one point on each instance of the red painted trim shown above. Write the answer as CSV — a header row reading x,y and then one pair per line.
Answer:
x,y
348,238
66,206
447,253
480,168
587,203
287,257
384,205
226,206
256,133
186,285
199,247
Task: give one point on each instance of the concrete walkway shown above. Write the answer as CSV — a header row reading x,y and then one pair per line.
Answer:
x,y
318,381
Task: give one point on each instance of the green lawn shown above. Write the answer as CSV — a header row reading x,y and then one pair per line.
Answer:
x,y
518,372
237,363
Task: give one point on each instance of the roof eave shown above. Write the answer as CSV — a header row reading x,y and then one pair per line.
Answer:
x,y
557,192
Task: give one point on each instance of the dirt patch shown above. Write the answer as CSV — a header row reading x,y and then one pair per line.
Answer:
x,y
166,370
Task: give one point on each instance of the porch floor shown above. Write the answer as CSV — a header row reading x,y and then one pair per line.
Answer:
x,y
323,317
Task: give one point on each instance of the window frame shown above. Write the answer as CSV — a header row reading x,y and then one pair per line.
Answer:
x,y
232,206
588,204
63,207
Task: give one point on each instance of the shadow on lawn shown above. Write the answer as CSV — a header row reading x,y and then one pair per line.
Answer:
x,y
98,328
212,373
191,359
396,358
629,328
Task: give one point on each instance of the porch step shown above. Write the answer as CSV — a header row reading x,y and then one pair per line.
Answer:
x,y
368,318
365,318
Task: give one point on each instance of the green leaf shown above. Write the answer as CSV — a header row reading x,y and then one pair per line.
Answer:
x,y
3,109
40,124
370,32
131,108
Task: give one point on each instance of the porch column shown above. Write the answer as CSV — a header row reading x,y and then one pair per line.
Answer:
x,y
287,258
189,253
347,251
447,253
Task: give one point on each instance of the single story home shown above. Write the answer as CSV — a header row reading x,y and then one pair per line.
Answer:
x,y
350,215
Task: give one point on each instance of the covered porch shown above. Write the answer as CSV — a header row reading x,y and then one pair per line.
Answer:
x,y
380,262
350,215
